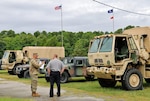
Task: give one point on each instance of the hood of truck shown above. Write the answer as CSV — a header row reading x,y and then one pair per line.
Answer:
x,y
4,63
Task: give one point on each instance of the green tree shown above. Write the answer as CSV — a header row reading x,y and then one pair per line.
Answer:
x,y
129,27
81,47
52,41
11,33
2,48
37,33
119,31
69,40
41,39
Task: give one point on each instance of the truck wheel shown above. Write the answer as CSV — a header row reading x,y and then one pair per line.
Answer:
x,y
133,80
26,74
90,77
64,77
107,82
14,70
20,75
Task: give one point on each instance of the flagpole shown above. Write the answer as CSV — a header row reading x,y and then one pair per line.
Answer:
x,y
113,21
61,26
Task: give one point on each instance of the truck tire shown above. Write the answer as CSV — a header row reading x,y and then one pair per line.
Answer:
x,y
89,77
26,74
133,80
107,82
14,70
64,77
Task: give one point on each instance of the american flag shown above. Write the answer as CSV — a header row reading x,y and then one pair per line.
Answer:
x,y
58,7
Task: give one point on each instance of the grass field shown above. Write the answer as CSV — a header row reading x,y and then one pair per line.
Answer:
x,y
79,85
13,99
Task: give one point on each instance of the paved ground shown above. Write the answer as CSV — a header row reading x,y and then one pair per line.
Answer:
x,y
21,90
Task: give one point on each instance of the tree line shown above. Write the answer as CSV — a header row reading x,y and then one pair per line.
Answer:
x,y
75,43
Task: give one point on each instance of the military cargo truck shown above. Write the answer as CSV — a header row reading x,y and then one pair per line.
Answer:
x,y
121,57
12,58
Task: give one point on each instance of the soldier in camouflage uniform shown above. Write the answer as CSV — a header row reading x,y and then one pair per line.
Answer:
x,y
34,66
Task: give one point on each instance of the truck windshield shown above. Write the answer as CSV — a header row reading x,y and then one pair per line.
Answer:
x,y
65,61
94,46
106,45
6,55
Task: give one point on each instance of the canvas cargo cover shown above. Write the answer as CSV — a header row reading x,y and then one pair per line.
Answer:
x,y
44,52
137,32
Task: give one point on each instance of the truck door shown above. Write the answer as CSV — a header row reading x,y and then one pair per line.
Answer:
x,y
19,56
12,57
133,50
121,49
79,67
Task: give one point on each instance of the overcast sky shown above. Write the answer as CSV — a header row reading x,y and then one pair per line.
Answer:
x,y
78,15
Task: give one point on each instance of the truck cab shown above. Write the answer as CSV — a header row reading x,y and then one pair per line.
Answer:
x,y
11,59
108,50
113,58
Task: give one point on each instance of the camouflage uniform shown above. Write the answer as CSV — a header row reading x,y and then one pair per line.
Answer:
x,y
34,66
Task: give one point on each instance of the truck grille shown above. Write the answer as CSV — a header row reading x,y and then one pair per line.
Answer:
x,y
98,61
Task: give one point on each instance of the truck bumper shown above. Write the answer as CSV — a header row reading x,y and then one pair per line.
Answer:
x,y
103,72
90,70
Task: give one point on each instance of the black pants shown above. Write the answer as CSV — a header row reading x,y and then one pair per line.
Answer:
x,y
54,77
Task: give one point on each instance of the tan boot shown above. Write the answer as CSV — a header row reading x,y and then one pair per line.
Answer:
x,y
34,94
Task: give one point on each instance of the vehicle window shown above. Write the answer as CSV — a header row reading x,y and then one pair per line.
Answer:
x,y
70,61
65,61
94,46
12,55
79,62
132,44
106,44
6,55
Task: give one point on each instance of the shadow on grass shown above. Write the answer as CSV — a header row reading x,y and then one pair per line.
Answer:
x,y
79,80
119,87
146,85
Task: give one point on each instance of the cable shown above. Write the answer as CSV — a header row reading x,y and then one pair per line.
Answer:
x,y
121,9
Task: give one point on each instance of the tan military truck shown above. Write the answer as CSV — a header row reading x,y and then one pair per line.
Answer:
x,y
12,58
121,57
